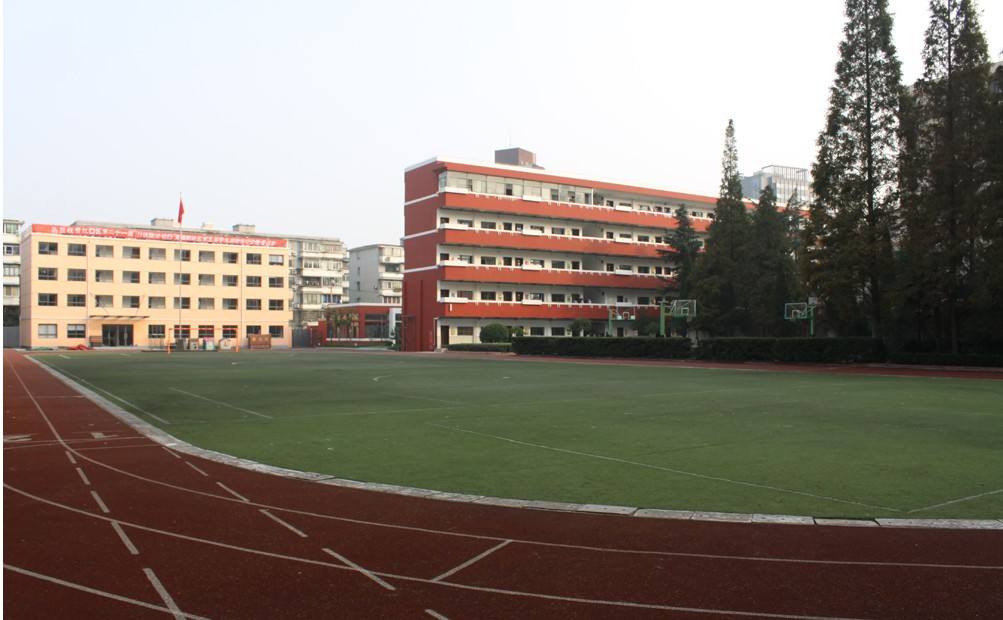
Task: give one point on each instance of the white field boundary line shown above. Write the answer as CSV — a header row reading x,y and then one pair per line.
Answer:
x,y
956,501
471,561
96,592
164,594
221,403
165,439
100,389
672,470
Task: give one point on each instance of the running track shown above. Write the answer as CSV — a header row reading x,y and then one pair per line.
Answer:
x,y
121,527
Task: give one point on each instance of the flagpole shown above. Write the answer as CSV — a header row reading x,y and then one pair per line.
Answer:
x,y
181,212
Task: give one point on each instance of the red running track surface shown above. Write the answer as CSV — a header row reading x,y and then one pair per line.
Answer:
x,y
121,527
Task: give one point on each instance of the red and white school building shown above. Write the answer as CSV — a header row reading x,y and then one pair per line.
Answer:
x,y
515,244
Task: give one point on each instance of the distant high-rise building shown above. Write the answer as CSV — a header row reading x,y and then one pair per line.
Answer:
x,y
11,281
787,181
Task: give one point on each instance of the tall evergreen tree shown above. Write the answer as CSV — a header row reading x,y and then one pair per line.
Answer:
x,y
720,283
685,246
990,289
952,106
854,176
772,280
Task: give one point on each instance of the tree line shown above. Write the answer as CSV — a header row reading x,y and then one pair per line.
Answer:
x,y
903,239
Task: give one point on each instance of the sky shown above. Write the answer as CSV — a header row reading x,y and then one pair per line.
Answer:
x,y
300,116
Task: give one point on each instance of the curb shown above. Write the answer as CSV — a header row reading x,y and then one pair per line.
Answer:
x,y
169,441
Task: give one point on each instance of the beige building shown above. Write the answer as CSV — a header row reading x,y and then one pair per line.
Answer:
x,y
121,285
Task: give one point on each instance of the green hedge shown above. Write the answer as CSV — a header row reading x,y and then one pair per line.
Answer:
x,y
833,350
492,347
662,348
948,359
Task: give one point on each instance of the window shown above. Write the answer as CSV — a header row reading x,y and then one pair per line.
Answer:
x,y
508,189
130,301
12,291
130,277
253,259
183,278
207,256
278,282
157,277
465,294
229,280
183,255
610,266
536,262
624,268
104,251
643,238
557,298
207,331
466,258
556,331
76,301
47,330
207,303
576,265
11,249
576,232
489,225
467,223
130,252
276,304
156,303
230,303
11,228
104,275
571,196
536,331
518,227
254,281
506,295
103,301
444,292
626,236
182,331
489,260
643,301
507,261
253,304
558,264
488,296
253,330
643,269
609,234
537,228
47,299
46,273
276,259
534,296
443,256
464,331
230,257
155,331
658,270
157,254
182,303
48,247
76,249
506,225
76,330
76,275
229,331
207,279
443,220
276,331
11,270
557,230
555,195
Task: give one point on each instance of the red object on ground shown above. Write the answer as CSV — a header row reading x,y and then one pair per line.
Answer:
x,y
102,521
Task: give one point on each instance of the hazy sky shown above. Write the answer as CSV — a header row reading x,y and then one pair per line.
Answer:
x,y
300,116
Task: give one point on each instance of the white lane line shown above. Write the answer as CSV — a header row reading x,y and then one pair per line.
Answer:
x,y
83,476
196,469
435,614
365,572
956,501
115,396
672,470
102,593
284,524
233,493
222,403
518,593
171,452
164,594
65,357
101,504
69,455
125,538
473,560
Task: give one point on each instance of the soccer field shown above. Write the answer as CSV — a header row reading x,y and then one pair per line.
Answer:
x,y
647,436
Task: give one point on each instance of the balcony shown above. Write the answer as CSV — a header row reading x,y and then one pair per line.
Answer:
x,y
552,277
550,243
392,260
539,310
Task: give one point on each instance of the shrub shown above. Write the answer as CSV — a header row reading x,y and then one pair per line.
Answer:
x,y
661,348
835,350
580,327
491,347
495,332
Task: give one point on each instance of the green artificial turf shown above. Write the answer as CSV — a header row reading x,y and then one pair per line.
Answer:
x,y
660,437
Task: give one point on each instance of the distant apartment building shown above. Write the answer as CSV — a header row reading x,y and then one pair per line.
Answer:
x,y
318,274
786,181
11,281
123,285
532,249
376,274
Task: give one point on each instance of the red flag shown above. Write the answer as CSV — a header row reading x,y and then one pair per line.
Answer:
x,y
181,210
